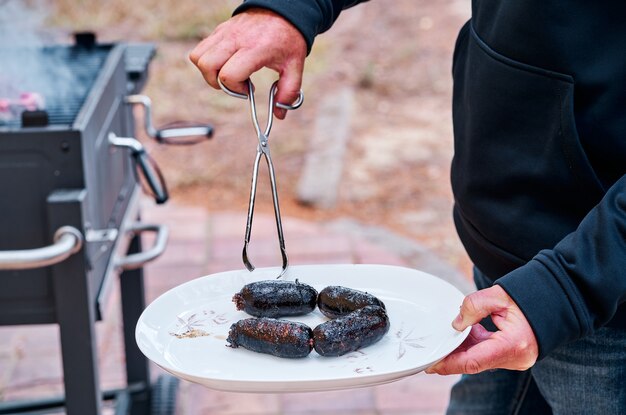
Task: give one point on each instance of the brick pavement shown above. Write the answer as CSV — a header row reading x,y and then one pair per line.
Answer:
x,y
202,243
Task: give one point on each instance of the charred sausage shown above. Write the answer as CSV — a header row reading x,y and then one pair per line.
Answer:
x,y
276,298
280,338
354,331
336,301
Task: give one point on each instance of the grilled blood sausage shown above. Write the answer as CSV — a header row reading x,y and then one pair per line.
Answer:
x,y
276,298
280,338
336,301
355,330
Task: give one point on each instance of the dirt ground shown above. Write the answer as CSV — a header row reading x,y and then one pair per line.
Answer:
x,y
396,56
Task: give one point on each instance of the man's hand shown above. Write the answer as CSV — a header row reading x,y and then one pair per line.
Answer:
x,y
247,42
513,347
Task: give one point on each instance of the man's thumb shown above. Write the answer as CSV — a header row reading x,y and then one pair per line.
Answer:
x,y
479,305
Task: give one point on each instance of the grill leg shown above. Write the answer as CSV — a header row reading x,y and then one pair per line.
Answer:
x,y
74,300
133,303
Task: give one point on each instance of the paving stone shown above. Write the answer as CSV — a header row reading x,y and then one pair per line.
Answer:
x,y
171,212
185,231
300,227
27,392
160,278
231,264
37,339
342,412
416,393
233,225
196,399
421,412
379,257
320,244
35,370
416,255
310,259
232,248
338,402
179,252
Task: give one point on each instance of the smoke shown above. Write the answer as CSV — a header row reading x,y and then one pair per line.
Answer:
x,y
20,41
29,75
21,22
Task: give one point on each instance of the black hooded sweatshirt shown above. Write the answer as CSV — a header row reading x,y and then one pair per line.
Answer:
x,y
539,109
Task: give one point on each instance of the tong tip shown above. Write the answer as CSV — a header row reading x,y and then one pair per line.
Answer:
x,y
285,262
246,261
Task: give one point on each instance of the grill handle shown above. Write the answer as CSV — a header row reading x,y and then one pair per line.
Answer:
x,y
138,260
147,166
67,241
190,133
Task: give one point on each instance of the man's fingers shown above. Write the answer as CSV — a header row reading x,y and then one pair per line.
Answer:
x,y
289,85
479,305
200,49
211,62
214,42
494,351
477,335
483,356
497,351
238,68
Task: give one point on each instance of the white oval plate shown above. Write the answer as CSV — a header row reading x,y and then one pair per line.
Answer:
x,y
420,306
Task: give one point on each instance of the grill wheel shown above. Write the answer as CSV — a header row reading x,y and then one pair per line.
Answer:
x,y
163,395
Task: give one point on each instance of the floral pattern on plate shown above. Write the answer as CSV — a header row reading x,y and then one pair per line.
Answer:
x,y
198,324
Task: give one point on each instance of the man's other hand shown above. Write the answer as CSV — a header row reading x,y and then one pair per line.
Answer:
x,y
513,347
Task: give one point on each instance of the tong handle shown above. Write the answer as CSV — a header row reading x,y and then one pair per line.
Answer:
x,y
279,225
294,106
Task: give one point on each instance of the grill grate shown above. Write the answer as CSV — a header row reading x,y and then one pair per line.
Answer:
x,y
63,75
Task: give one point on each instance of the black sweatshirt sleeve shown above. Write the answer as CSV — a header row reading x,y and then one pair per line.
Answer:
x,y
310,17
571,290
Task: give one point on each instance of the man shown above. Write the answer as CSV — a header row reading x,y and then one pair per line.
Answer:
x,y
539,111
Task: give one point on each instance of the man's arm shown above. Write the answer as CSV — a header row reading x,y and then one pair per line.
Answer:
x,y
275,34
572,290
310,17
563,294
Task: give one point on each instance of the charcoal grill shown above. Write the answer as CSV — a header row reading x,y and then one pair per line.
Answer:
x,y
69,214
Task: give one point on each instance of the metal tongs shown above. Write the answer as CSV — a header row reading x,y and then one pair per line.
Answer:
x,y
263,149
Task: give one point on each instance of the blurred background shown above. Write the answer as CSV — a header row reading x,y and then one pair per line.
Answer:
x,y
388,64
371,143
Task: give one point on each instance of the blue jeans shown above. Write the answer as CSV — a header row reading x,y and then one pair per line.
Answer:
x,y
587,376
